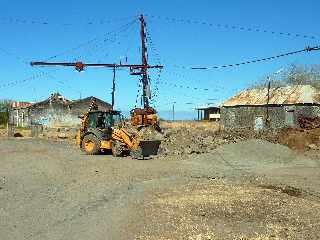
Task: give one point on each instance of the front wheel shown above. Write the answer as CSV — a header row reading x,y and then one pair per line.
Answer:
x,y
91,144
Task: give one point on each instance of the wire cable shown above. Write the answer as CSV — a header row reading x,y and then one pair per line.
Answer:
x,y
231,27
17,82
81,45
16,20
305,50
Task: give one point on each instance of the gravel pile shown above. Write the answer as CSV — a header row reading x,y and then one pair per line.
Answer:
x,y
193,141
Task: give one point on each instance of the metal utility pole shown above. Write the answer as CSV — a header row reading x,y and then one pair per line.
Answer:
x,y
268,95
144,62
268,100
113,86
173,111
135,69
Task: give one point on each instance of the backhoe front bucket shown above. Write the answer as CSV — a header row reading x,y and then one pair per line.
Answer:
x,y
149,147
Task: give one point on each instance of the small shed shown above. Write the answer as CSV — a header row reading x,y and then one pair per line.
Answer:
x,y
280,107
209,113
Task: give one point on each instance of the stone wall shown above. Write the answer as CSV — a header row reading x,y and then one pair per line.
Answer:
x,y
254,117
19,117
53,114
54,117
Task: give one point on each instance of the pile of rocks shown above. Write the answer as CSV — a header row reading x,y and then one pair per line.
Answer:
x,y
194,141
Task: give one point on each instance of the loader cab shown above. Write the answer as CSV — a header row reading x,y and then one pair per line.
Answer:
x,y
103,120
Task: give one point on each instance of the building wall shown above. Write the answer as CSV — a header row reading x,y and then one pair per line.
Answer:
x,y
254,117
52,114
19,117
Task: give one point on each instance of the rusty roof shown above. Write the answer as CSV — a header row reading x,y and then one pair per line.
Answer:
x,y
298,94
17,104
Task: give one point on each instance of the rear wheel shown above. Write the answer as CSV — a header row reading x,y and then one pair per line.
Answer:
x,y
91,144
116,149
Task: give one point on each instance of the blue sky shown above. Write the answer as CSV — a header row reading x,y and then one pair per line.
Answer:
x,y
38,30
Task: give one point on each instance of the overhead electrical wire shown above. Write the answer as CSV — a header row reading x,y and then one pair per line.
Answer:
x,y
126,26
154,53
17,82
232,27
171,84
305,50
43,73
24,80
100,46
179,75
81,45
16,20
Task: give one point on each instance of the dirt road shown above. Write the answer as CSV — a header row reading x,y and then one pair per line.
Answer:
x,y
248,190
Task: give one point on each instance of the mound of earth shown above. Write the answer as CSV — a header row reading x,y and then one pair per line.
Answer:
x,y
194,141
300,139
257,152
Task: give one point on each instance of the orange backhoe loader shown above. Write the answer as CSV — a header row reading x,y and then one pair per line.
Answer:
x,y
104,130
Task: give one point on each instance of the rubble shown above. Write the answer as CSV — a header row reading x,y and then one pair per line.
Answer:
x,y
182,141
309,123
194,141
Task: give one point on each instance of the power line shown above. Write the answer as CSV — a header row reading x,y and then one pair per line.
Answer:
x,y
232,27
191,86
81,45
305,50
184,86
16,20
9,53
24,61
156,55
100,47
17,82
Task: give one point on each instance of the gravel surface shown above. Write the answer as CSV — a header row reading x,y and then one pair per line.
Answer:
x,y
247,190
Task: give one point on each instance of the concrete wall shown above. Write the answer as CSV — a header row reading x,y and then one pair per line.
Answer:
x,y
19,117
254,117
53,114
54,117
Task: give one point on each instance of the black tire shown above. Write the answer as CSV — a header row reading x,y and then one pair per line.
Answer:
x,y
116,149
94,143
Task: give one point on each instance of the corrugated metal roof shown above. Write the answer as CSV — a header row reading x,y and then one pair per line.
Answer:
x,y
204,106
281,95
